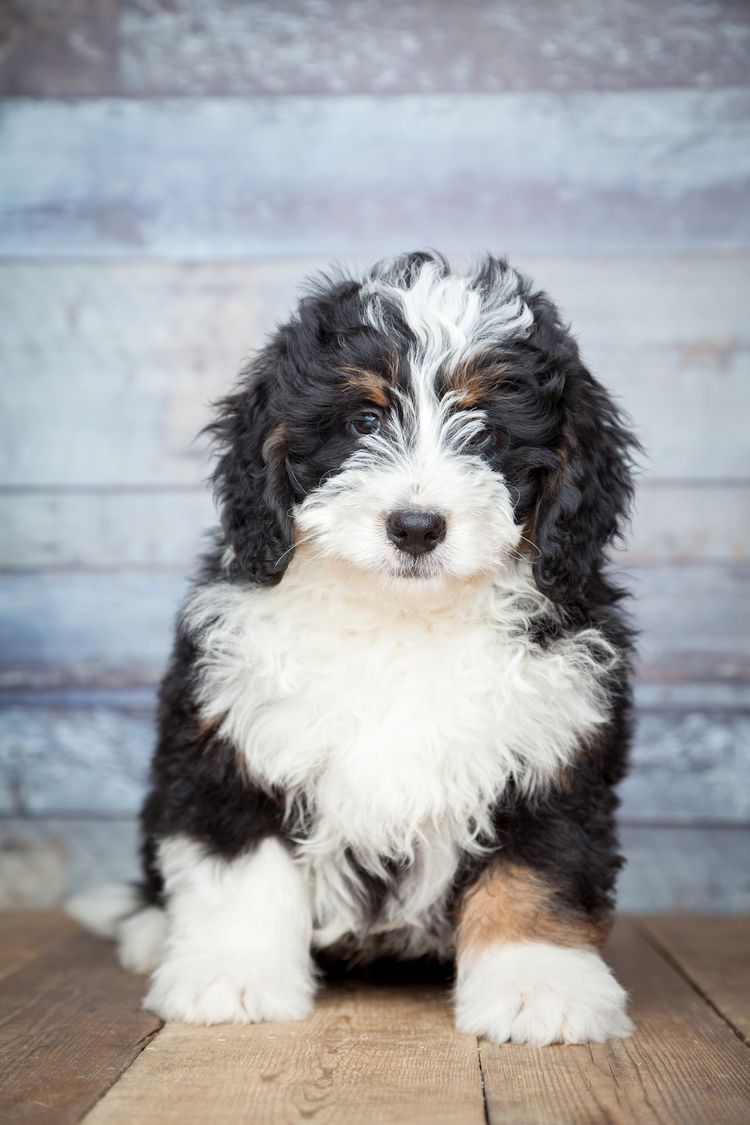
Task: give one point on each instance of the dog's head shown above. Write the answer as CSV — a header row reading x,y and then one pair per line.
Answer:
x,y
424,425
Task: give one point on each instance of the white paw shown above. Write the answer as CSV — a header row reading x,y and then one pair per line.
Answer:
x,y
531,992
228,988
141,938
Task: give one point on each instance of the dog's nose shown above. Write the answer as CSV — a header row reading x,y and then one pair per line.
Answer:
x,y
415,532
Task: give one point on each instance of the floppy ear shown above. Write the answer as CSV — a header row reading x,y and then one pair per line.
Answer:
x,y
586,498
251,484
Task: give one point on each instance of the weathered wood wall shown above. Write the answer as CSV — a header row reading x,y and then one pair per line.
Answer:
x,y
170,173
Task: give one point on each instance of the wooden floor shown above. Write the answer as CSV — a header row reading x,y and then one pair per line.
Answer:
x,y
75,1045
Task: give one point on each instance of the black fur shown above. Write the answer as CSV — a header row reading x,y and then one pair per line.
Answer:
x,y
563,448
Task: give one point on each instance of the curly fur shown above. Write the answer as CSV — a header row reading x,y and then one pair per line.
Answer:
x,y
397,723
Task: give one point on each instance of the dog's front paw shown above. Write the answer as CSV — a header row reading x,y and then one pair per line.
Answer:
x,y
535,993
228,988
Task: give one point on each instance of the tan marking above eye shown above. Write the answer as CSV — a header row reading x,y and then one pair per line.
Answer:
x,y
368,383
472,384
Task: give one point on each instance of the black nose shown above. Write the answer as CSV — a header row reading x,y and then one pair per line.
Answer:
x,y
415,532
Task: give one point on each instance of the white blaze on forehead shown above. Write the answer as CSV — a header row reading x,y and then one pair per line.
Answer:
x,y
451,318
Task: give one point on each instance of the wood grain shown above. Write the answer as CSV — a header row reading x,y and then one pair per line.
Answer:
x,y
72,1040
175,47
714,953
692,867
58,49
684,1063
104,849
71,1023
698,521
689,867
66,758
163,529
367,1055
588,171
27,934
170,47
113,630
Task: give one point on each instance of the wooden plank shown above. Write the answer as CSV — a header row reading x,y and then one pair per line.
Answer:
x,y
694,621
98,849
689,868
589,171
65,759
24,935
693,522
33,872
113,630
689,766
163,529
684,1063
714,953
368,1054
146,393
75,628
59,49
170,46
105,530
88,402
682,868
72,1023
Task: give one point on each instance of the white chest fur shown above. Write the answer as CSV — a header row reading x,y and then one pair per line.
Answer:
x,y
399,724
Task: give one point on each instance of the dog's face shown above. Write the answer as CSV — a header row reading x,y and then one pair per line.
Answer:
x,y
422,425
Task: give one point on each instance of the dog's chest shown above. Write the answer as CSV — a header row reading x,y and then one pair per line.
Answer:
x,y
396,731
384,721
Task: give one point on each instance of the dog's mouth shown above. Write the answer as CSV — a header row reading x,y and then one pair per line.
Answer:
x,y
415,569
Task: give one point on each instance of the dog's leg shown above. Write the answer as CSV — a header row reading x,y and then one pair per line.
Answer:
x,y
530,971
238,936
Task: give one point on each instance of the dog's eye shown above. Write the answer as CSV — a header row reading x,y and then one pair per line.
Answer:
x,y
368,422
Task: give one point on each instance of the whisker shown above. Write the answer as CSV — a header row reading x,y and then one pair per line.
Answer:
x,y
532,544
297,543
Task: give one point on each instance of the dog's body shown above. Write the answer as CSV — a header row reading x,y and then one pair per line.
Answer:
x,y
398,701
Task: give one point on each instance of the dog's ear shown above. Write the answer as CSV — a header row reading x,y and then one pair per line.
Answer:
x,y
251,483
586,498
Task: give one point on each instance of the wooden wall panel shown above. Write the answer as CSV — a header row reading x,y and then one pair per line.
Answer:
x,y
58,49
694,867
62,760
204,178
113,629
352,46
696,521
149,241
146,529
117,385
107,529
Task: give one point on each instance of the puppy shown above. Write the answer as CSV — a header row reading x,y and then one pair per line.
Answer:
x,y
398,700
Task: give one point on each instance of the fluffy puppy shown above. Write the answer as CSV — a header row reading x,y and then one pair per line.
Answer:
x,y
398,701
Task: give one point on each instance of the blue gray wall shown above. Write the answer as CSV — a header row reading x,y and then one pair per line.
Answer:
x,y
173,169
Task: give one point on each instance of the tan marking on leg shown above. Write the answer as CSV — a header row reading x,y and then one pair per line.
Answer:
x,y
510,903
